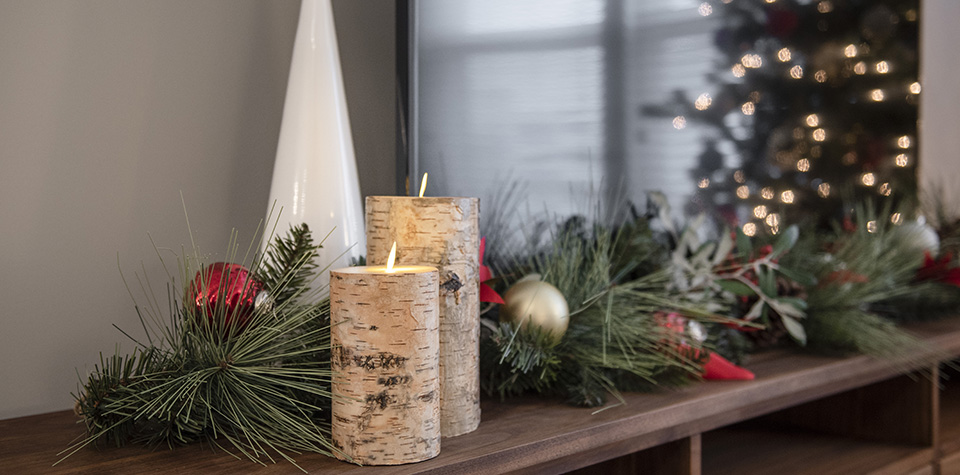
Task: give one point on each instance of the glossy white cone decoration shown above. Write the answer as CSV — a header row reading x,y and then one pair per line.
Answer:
x,y
315,174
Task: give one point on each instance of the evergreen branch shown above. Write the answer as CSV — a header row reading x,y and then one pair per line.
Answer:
x,y
865,272
264,388
615,338
288,266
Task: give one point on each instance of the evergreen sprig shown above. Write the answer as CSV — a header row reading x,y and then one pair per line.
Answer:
x,y
519,361
616,339
288,264
260,389
858,270
116,377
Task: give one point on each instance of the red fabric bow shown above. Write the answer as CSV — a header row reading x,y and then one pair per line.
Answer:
x,y
939,269
487,294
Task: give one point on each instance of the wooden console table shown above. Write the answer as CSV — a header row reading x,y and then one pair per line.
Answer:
x,y
803,414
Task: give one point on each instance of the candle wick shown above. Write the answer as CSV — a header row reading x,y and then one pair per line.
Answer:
x,y
423,184
392,258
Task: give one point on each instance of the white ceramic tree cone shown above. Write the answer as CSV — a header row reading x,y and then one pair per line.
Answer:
x,y
315,174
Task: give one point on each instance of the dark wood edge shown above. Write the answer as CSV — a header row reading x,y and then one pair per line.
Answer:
x,y
784,379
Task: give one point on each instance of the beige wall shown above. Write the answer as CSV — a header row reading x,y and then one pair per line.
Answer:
x,y
940,99
367,33
108,110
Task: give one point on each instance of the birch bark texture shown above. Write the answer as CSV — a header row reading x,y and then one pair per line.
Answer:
x,y
442,232
385,357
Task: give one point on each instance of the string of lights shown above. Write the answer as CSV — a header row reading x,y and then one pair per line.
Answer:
x,y
819,100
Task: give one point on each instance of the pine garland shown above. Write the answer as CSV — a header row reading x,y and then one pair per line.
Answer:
x,y
858,271
614,341
262,391
922,301
844,291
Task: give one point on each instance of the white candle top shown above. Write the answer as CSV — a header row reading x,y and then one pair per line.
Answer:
x,y
383,270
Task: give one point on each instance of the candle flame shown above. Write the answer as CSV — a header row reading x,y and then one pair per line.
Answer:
x,y
392,258
423,185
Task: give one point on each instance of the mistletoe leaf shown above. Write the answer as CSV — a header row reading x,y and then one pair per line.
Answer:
x,y
754,311
702,256
786,309
744,245
803,278
723,248
795,329
786,242
768,282
736,287
795,302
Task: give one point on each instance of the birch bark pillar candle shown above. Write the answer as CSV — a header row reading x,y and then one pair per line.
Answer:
x,y
385,357
441,232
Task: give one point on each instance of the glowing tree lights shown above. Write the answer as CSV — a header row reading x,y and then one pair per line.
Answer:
x,y
828,91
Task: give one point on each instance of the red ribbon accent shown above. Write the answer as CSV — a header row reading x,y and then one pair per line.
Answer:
x,y
939,269
716,367
487,294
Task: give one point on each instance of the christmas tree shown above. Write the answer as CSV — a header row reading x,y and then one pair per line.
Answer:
x,y
818,99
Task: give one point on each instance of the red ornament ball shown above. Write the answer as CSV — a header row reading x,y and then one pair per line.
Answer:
x,y
225,293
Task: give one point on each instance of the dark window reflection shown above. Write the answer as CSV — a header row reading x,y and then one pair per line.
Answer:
x,y
742,109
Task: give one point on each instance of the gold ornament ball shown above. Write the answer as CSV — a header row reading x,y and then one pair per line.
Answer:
x,y
537,303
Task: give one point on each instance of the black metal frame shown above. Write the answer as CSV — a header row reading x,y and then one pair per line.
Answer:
x,y
407,162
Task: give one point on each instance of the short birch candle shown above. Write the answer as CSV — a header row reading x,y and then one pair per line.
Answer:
x,y
385,357
441,232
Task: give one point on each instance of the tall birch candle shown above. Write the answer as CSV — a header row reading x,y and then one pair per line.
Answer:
x,y
385,341
441,232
